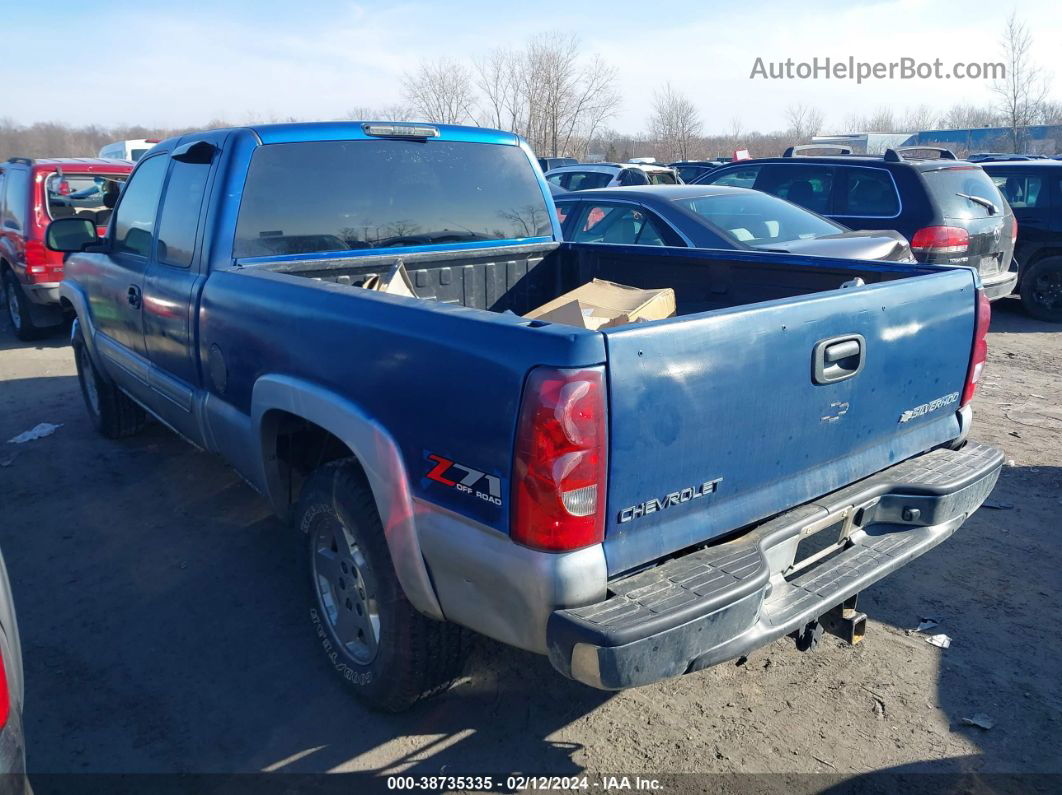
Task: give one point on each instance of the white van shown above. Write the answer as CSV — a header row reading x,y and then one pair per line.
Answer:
x,y
132,150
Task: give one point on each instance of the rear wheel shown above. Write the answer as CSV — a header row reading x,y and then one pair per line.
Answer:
x,y
18,309
1041,290
112,412
389,654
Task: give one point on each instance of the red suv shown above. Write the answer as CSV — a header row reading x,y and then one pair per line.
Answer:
x,y
32,193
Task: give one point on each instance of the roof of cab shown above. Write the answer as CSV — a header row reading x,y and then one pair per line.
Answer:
x,y
355,130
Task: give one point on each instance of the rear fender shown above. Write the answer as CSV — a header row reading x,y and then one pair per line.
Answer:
x,y
378,455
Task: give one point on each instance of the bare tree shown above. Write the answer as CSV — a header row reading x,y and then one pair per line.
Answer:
x,y
805,121
919,118
441,91
965,116
1023,91
393,112
675,122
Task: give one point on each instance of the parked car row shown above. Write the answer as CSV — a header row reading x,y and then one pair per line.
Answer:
x,y
949,210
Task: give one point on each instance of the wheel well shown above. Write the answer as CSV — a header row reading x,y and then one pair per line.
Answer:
x,y
1043,253
293,448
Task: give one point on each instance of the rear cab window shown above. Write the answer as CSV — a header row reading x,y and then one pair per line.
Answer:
x,y
335,196
949,188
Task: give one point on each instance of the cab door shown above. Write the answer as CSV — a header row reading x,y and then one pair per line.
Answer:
x,y
171,285
115,284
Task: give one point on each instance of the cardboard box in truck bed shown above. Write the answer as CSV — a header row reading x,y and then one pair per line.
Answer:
x,y
599,304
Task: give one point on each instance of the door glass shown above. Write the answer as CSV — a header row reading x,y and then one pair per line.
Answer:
x,y
180,213
738,178
808,186
618,225
870,193
134,220
1020,190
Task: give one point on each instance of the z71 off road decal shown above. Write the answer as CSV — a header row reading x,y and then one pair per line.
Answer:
x,y
932,405
464,479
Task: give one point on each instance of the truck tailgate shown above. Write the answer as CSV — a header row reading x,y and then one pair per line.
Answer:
x,y
717,420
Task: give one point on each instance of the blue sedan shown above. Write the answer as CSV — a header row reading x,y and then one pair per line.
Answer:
x,y
716,216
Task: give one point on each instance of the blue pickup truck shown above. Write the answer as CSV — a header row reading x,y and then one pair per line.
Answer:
x,y
635,502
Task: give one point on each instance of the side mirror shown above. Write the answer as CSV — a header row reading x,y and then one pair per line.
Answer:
x,y
70,234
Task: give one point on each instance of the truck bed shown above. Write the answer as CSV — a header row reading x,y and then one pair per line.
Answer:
x,y
725,390
518,279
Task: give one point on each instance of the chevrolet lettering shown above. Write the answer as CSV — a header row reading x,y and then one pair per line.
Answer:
x,y
674,498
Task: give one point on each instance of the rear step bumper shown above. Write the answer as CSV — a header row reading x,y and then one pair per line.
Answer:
x,y
1000,285
722,601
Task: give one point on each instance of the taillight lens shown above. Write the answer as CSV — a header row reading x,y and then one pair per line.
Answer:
x,y
560,461
980,347
5,695
940,240
1013,229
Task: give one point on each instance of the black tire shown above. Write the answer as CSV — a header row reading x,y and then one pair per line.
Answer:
x,y
112,412
389,654
18,309
1041,290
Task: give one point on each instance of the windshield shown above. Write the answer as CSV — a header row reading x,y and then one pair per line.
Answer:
x,y
945,184
345,195
758,219
87,195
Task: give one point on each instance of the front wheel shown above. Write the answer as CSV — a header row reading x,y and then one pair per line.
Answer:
x,y
1041,290
113,413
389,654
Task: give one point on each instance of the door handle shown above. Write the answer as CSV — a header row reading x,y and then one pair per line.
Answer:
x,y
838,358
133,296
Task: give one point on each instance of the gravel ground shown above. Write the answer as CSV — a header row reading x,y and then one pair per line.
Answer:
x,y
164,628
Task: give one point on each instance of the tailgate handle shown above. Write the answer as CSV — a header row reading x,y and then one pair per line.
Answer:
x,y
838,358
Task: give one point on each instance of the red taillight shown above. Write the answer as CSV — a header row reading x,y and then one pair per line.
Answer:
x,y
940,240
5,695
40,265
980,347
559,464
1014,229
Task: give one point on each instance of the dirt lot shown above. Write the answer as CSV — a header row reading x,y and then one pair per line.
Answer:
x,y
164,627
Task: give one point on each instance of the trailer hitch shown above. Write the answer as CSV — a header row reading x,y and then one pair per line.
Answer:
x,y
846,622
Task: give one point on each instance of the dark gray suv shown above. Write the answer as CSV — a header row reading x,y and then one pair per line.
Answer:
x,y
949,209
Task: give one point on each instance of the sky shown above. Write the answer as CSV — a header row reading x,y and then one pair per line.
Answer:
x,y
183,64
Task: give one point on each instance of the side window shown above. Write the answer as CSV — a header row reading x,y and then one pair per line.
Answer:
x,y
870,192
618,225
134,220
1022,190
808,186
179,220
562,211
16,199
737,178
